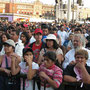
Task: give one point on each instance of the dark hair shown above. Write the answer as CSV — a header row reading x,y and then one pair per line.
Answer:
x,y
16,31
25,50
82,52
73,26
61,26
55,29
10,27
51,55
78,29
27,37
55,45
7,35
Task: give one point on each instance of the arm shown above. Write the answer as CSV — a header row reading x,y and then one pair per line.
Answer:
x,y
49,80
3,69
59,54
41,56
85,74
31,72
60,58
14,69
68,78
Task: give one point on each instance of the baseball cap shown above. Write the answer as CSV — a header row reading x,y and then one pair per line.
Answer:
x,y
25,25
10,42
38,30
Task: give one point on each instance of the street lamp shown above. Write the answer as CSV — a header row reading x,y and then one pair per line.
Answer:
x,y
73,12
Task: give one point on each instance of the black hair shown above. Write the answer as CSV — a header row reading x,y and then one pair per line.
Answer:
x,y
55,45
6,34
78,29
51,55
25,50
16,31
27,37
54,29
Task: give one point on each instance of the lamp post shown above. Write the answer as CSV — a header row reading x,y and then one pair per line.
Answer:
x,y
73,12
69,11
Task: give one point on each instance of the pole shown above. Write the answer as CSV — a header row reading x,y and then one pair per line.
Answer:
x,y
69,11
73,13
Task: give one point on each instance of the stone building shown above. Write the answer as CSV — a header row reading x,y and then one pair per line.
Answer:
x,y
22,10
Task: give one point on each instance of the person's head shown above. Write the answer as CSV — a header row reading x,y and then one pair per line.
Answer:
x,y
38,34
70,36
78,41
81,56
77,31
24,27
5,37
45,30
49,58
25,38
15,35
9,46
27,52
62,28
83,30
73,28
29,33
51,41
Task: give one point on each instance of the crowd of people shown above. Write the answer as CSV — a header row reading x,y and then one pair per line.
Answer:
x,y
53,53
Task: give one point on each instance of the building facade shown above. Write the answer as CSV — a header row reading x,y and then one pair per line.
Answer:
x,y
27,10
69,11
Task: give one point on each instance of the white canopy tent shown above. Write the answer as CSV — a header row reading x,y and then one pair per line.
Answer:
x,y
40,20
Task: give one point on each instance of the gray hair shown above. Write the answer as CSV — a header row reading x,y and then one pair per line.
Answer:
x,y
82,39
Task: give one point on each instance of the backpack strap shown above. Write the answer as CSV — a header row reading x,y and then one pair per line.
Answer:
x,y
6,60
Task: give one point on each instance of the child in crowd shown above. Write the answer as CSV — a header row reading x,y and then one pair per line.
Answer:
x,y
27,67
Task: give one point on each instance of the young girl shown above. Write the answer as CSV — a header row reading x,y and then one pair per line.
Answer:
x,y
26,67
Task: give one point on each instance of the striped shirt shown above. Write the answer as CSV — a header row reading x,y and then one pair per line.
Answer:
x,y
54,72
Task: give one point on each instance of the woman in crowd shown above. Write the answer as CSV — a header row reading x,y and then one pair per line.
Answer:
x,y
27,67
4,37
51,45
25,38
5,66
79,72
50,74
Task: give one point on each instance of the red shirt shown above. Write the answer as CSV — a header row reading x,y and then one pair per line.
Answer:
x,y
36,50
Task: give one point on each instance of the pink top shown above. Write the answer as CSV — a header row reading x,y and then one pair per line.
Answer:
x,y
53,72
4,61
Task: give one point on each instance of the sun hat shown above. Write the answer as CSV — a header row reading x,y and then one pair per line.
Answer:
x,y
38,30
51,37
10,42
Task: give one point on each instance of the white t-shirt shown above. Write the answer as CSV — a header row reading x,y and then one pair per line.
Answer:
x,y
24,70
69,56
63,35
